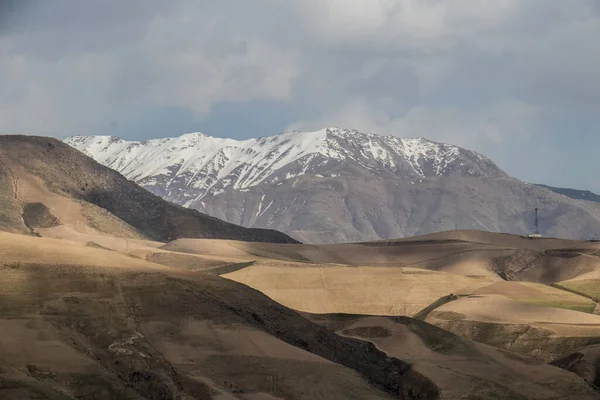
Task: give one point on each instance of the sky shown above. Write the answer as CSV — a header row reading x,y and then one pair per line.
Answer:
x,y
518,81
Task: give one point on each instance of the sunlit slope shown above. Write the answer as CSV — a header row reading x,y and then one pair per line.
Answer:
x,y
468,253
542,317
355,290
458,258
404,276
587,283
540,331
539,294
20,249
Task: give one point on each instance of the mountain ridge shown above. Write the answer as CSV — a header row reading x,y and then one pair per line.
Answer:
x,y
577,194
341,185
247,163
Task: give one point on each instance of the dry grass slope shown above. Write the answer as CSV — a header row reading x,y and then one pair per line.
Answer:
x,y
586,287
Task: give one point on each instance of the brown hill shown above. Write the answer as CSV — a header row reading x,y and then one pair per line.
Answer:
x,y
462,369
37,164
120,327
83,322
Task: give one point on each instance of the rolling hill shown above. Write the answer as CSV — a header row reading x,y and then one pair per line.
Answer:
x,y
536,297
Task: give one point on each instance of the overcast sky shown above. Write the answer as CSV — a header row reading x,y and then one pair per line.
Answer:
x,y
518,81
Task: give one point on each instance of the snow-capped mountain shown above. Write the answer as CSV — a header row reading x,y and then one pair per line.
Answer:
x,y
332,184
190,167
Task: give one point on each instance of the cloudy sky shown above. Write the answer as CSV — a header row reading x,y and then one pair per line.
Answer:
x,y
518,80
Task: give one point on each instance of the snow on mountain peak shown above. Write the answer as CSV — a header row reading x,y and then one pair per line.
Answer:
x,y
203,164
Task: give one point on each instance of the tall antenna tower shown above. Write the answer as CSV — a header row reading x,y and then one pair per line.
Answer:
x,y
536,234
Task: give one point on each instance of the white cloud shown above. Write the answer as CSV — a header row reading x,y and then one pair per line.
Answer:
x,y
481,129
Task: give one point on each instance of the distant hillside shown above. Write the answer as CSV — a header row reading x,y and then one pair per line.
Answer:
x,y
69,173
574,193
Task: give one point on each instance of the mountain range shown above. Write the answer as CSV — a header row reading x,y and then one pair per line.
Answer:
x,y
340,185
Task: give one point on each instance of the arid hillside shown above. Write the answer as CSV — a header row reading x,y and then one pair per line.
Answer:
x,y
32,167
82,321
113,326
537,297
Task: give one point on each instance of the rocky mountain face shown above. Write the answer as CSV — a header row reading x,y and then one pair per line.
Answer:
x,y
338,185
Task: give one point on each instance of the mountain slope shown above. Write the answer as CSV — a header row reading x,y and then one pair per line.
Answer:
x,y
574,193
11,210
336,185
89,195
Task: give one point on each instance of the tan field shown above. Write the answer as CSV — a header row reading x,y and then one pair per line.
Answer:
x,y
540,294
228,356
585,287
353,290
20,249
465,253
404,277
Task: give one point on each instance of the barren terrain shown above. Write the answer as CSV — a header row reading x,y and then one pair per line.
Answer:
x,y
98,303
